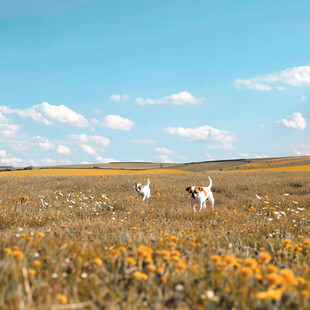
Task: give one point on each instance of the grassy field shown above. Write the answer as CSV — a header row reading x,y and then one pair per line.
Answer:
x,y
84,172
217,165
88,242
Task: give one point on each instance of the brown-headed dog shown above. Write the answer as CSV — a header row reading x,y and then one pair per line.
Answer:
x,y
200,195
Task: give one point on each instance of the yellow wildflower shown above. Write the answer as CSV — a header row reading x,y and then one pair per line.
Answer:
x,y
62,298
18,254
151,267
130,261
98,261
246,271
7,250
140,275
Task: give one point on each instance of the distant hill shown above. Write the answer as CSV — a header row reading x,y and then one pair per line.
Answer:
x,y
217,165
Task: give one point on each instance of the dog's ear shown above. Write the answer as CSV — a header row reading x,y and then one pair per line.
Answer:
x,y
200,188
188,188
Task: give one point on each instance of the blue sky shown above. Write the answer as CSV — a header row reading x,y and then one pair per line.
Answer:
x,y
89,81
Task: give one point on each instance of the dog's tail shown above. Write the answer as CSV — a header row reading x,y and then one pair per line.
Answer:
x,y
148,182
210,182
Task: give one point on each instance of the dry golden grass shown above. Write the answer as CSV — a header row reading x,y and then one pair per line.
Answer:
x,y
273,163
65,246
286,168
84,172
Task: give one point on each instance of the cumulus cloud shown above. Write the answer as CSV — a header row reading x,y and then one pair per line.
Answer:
x,y
11,161
93,139
88,149
301,149
164,159
3,119
47,161
49,114
117,122
293,77
106,160
260,156
303,98
294,121
202,133
252,84
173,99
163,150
164,155
119,98
43,143
62,149
8,130
3,153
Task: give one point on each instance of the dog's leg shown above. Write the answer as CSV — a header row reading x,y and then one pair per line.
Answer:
x,y
212,201
193,206
200,206
144,196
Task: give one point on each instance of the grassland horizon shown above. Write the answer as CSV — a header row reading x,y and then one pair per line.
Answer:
x,y
88,242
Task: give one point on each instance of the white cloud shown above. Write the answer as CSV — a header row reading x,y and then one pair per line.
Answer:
x,y
118,98
303,98
62,149
8,130
260,156
164,155
50,114
244,155
93,139
106,160
261,125
202,133
47,161
144,141
117,122
174,99
163,150
3,119
88,149
250,84
301,149
294,121
13,161
43,143
294,77
3,153
164,159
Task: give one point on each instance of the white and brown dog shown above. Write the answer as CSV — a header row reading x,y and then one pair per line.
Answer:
x,y
143,190
200,195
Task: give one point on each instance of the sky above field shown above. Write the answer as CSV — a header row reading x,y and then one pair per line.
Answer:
x,y
94,81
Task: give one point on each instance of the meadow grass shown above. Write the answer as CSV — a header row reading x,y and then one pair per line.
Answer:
x,y
88,242
84,172
294,168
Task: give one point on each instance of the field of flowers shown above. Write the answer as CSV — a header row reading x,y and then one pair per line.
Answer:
x,y
88,242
